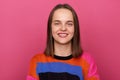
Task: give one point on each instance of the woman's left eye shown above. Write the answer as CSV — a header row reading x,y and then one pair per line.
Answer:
x,y
70,24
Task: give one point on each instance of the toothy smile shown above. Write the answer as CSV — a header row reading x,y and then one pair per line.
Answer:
x,y
62,35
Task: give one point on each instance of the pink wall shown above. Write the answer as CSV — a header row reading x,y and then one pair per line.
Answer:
x,y
23,34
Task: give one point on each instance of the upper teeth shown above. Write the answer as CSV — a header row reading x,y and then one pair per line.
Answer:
x,y
62,34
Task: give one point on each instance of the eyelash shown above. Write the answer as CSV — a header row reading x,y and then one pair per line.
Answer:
x,y
56,23
70,24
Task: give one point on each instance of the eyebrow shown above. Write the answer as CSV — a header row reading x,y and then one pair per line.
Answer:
x,y
56,21
69,21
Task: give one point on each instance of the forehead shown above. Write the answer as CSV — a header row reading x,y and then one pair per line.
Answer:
x,y
63,15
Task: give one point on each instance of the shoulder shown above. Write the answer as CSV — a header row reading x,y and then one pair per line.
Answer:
x,y
87,57
38,57
92,69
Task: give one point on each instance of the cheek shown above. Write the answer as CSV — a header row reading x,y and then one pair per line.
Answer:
x,y
54,31
71,30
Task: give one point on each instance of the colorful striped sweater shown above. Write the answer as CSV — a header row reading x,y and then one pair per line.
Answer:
x,y
62,68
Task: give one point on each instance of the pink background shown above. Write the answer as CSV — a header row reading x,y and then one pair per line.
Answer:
x,y
23,34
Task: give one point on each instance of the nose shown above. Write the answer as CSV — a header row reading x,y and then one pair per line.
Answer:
x,y
63,28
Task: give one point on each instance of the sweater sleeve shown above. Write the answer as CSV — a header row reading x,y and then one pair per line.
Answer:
x,y
92,69
32,75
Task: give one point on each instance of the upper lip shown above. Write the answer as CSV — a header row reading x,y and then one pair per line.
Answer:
x,y
63,33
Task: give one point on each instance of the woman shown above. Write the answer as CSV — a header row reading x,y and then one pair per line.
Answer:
x,y
63,58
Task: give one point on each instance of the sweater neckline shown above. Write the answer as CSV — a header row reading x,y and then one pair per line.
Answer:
x,y
63,57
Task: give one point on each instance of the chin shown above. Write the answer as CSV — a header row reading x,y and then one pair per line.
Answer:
x,y
63,42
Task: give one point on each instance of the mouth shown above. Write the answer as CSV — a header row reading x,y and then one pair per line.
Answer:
x,y
62,35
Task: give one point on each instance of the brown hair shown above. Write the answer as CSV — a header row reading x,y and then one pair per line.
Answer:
x,y
76,48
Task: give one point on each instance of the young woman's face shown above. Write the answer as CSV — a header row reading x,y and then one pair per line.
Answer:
x,y
62,26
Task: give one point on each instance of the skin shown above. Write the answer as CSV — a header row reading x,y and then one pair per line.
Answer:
x,y
62,31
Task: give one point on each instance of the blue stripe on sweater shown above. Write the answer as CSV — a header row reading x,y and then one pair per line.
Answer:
x,y
59,67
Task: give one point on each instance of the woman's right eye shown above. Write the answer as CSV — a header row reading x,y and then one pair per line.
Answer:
x,y
56,23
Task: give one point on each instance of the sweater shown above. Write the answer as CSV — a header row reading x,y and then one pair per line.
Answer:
x,y
44,67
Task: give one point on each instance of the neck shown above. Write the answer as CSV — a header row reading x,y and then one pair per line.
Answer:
x,y
62,50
